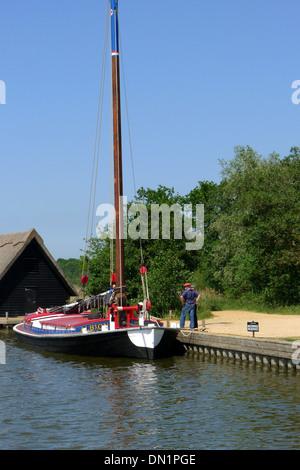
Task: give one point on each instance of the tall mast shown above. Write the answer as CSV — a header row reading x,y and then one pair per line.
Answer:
x,y
118,179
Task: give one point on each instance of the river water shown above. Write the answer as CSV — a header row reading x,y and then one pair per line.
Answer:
x,y
184,403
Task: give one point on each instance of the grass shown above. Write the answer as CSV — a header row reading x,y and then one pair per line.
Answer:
x,y
291,339
214,301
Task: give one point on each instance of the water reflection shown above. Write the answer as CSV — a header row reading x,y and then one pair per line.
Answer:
x,y
191,402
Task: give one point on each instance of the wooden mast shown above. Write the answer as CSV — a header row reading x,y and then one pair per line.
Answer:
x,y
118,177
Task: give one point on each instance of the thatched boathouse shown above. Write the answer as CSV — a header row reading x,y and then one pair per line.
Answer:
x,y
29,275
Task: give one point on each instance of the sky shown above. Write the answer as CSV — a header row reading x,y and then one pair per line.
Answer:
x,y
201,77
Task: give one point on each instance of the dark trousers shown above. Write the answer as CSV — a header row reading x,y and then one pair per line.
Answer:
x,y
188,309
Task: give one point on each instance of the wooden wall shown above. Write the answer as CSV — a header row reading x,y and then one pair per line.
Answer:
x,y
31,277
272,352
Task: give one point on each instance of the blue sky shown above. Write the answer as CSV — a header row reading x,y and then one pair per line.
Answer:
x,y
201,78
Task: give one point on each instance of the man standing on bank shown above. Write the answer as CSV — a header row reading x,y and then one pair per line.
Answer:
x,y
189,298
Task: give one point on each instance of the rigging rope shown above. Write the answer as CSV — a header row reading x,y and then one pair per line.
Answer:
x,y
96,146
130,144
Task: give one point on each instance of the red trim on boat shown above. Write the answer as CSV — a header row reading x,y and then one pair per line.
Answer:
x,y
71,321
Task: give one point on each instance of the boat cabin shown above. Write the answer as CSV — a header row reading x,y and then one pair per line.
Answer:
x,y
29,275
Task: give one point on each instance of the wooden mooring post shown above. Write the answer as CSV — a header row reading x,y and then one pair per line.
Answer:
x,y
271,352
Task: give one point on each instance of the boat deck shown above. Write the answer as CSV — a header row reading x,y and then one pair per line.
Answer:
x,y
69,321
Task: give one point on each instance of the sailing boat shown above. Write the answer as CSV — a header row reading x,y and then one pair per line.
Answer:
x,y
123,331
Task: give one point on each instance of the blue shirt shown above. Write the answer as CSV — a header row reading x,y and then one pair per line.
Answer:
x,y
189,296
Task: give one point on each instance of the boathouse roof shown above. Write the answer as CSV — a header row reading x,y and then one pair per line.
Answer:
x,y
12,246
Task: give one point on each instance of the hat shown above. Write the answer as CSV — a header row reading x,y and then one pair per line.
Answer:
x,y
187,284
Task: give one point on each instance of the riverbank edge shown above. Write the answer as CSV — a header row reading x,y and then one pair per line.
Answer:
x,y
273,352
278,353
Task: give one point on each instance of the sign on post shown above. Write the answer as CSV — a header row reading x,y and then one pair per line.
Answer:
x,y
252,326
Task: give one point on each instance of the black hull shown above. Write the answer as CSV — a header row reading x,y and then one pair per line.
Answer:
x,y
102,344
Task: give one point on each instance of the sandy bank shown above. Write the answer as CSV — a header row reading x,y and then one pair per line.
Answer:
x,y
234,322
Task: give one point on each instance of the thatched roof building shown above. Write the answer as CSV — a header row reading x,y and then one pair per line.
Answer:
x,y
29,275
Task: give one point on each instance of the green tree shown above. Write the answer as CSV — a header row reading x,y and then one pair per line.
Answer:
x,y
166,277
167,261
258,233
72,269
98,266
209,194
251,237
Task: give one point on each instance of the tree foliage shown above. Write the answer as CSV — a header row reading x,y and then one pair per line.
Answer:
x,y
257,244
72,269
169,264
251,230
